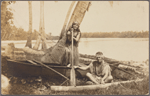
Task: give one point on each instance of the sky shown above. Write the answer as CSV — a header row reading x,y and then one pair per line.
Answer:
x,y
101,17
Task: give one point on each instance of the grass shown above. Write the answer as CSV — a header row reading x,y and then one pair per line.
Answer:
x,y
139,88
133,89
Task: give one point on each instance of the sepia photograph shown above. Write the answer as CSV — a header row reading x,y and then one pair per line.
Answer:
x,y
75,47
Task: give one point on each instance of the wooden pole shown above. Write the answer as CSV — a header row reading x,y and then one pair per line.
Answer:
x,y
72,73
29,38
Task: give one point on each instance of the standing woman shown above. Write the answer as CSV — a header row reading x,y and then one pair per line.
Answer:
x,y
76,37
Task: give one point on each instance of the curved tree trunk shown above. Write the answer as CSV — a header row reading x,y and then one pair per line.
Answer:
x,y
66,20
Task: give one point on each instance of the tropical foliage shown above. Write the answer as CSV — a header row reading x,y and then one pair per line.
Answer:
x,y
6,19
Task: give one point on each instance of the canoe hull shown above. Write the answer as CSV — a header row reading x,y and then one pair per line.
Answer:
x,y
26,69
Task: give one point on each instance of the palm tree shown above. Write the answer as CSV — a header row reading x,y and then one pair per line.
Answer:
x,y
42,28
29,42
42,35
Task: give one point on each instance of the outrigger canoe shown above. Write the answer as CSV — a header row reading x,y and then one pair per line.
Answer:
x,y
26,68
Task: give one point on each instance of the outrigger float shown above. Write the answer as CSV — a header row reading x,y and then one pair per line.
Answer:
x,y
27,61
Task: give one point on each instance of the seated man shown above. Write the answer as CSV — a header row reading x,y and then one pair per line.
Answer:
x,y
100,71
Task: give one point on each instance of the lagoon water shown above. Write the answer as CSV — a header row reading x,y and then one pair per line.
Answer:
x,y
136,49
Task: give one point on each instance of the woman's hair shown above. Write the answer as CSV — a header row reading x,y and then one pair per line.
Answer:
x,y
75,23
99,53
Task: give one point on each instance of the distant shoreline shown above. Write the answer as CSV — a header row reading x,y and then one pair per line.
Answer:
x,y
81,37
125,34
55,40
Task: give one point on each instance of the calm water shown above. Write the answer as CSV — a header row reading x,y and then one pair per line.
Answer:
x,y
117,48
136,49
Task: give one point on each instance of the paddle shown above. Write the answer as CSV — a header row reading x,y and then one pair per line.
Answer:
x,y
72,73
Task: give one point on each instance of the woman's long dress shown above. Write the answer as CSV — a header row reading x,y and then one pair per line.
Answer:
x,y
75,47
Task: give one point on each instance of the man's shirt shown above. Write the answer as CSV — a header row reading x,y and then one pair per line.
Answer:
x,y
99,69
